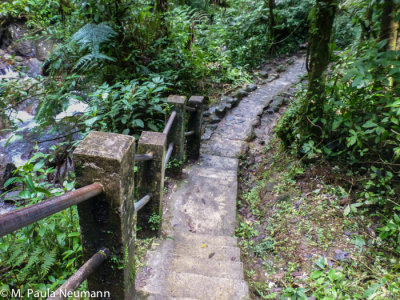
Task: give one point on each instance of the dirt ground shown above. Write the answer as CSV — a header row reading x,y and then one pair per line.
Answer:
x,y
293,228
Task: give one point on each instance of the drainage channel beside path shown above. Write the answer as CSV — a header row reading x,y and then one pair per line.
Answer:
x,y
199,257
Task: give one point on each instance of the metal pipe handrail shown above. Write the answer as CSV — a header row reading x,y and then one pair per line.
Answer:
x,y
144,157
190,108
170,122
80,276
142,202
168,155
25,216
189,133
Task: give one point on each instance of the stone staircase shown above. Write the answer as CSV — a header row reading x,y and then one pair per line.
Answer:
x,y
186,269
199,257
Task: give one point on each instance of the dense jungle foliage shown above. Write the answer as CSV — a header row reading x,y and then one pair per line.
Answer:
x,y
123,57
349,113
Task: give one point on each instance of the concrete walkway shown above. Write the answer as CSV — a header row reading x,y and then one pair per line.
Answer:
x,y
199,258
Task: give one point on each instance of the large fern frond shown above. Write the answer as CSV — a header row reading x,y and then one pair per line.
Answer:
x,y
48,261
90,61
34,259
18,255
91,36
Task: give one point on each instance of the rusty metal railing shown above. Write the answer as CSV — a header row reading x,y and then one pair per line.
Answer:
x,y
169,123
144,157
192,109
25,216
142,202
149,156
156,152
169,153
189,133
81,275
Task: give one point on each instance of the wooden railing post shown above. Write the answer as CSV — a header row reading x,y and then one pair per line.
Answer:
x,y
151,181
195,124
177,133
108,220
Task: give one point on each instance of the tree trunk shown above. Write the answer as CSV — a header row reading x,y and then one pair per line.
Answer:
x,y
161,5
271,22
61,11
389,27
366,24
389,30
386,21
218,2
319,55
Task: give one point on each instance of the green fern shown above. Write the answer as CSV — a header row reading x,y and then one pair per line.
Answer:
x,y
18,254
34,254
21,258
90,38
33,260
90,61
93,35
40,259
61,59
48,261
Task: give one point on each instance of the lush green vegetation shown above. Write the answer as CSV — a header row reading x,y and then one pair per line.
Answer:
x,y
347,120
122,58
302,233
353,119
43,254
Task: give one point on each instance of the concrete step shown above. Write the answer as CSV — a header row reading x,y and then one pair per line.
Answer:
x,y
206,267
212,253
206,288
219,162
204,204
150,281
198,239
161,297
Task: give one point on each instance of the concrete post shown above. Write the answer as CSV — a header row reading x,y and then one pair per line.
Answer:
x,y
108,220
195,124
177,134
151,181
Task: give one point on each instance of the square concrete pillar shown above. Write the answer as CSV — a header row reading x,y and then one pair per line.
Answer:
x,y
108,220
177,134
195,124
150,179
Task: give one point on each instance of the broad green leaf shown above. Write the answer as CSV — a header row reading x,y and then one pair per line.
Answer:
x,y
126,131
336,124
316,274
369,124
42,231
346,211
44,191
25,194
10,181
29,182
91,121
39,165
138,122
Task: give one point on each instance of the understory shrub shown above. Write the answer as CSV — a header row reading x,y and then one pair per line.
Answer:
x,y
42,255
128,107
